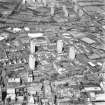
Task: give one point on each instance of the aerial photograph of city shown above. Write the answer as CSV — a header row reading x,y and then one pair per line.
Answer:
x,y
52,52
